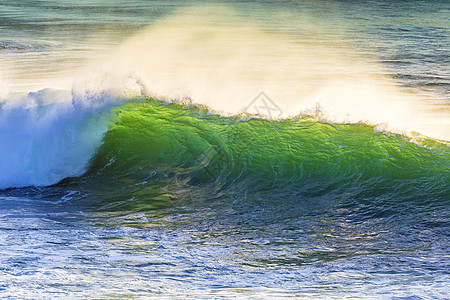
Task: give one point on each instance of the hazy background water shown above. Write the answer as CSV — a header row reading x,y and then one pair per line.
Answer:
x,y
52,39
54,242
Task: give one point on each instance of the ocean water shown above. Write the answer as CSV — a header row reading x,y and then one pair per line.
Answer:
x,y
224,149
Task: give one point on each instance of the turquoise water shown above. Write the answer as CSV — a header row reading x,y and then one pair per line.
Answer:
x,y
138,158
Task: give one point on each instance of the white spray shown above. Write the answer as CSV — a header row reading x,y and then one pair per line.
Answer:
x,y
224,62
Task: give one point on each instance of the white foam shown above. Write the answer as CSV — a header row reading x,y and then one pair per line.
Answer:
x,y
45,138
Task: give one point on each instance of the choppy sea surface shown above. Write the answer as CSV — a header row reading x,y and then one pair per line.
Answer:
x,y
226,149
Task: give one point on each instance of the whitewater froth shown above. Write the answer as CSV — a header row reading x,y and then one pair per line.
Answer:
x,y
45,137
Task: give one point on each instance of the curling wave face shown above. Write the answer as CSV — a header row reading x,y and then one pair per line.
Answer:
x,y
175,147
